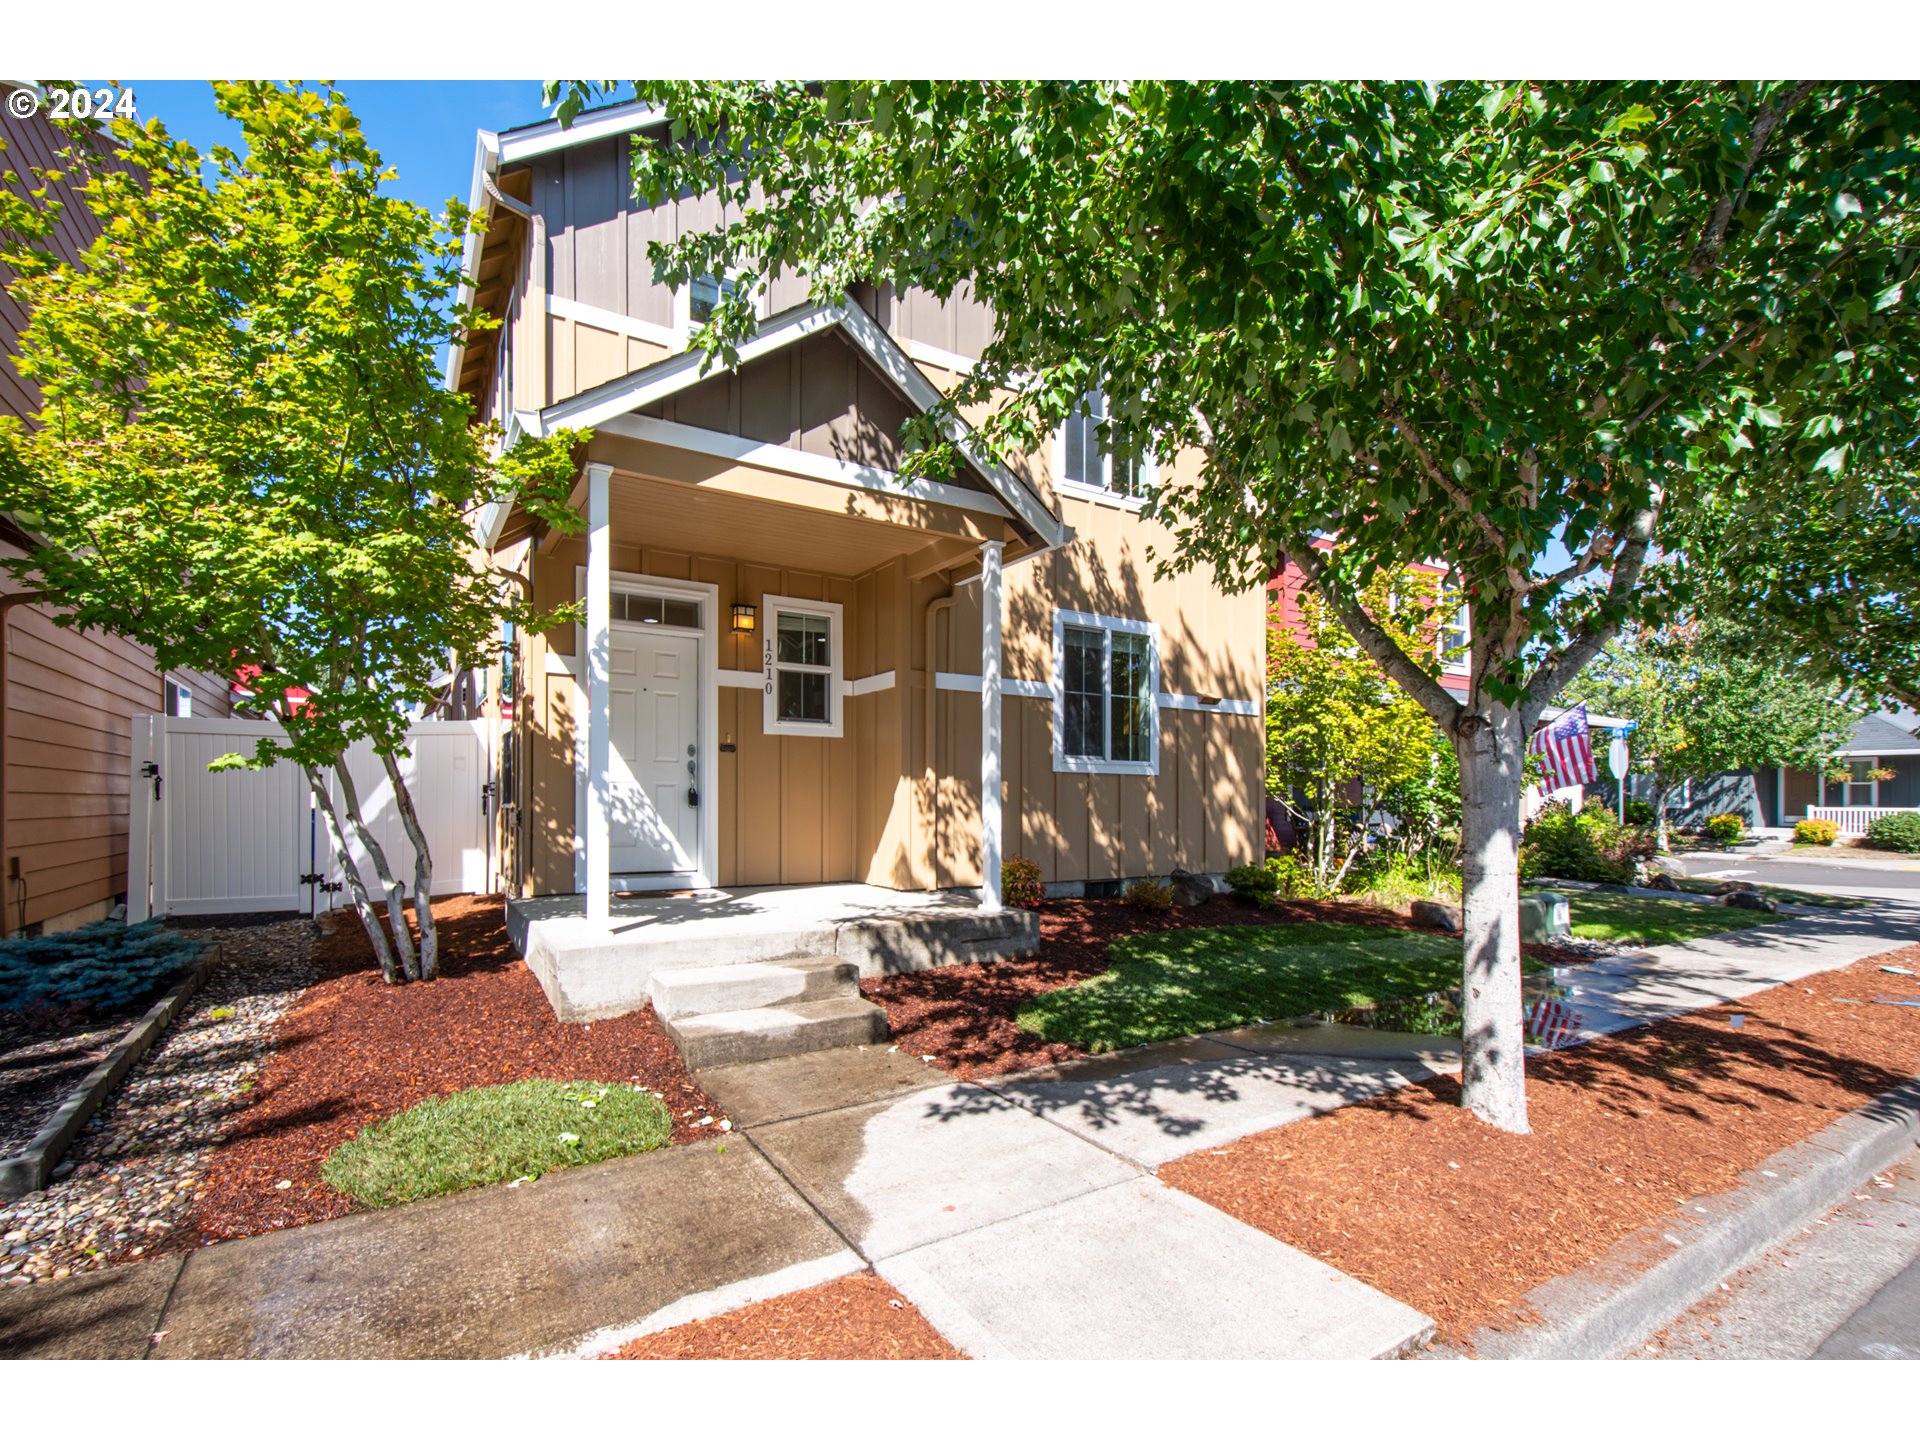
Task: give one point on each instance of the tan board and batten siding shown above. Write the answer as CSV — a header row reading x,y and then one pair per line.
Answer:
x,y
70,697
871,805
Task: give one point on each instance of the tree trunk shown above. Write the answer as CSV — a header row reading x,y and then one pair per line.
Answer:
x,y
1660,793
1491,745
362,902
396,900
422,871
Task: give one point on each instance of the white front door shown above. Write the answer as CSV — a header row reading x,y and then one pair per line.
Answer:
x,y
655,700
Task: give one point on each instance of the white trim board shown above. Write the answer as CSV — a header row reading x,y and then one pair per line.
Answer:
x,y
786,460
563,308
542,139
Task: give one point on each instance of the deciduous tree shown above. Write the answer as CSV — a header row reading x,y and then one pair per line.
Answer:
x,y
245,458
1461,322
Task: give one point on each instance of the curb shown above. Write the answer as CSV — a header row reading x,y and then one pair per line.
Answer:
x,y
29,1170
1637,1288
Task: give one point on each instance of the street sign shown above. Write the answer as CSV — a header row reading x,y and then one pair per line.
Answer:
x,y
1618,761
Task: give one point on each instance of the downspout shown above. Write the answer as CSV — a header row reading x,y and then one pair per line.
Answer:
x,y
7,602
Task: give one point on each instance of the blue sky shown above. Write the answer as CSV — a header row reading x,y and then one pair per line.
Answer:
x,y
423,128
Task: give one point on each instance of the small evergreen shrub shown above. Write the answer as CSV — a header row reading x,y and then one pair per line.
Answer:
x,y
1253,883
1726,831
1153,896
1020,883
1900,831
103,966
1592,845
1816,832
1640,812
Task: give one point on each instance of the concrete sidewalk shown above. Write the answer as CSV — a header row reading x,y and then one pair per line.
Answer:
x,y
1020,1214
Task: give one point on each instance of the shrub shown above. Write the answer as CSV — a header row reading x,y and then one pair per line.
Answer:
x,y
1816,832
1640,812
1293,877
1394,879
99,967
1153,896
1900,831
1726,831
1253,883
1592,846
1020,883
497,1132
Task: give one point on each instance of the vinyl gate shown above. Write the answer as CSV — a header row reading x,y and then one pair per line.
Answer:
x,y
228,842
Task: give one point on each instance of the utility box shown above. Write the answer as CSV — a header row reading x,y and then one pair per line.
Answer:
x,y
1544,916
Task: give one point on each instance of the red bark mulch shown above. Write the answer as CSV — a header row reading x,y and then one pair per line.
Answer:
x,y
858,1317
962,1016
1412,1195
354,1050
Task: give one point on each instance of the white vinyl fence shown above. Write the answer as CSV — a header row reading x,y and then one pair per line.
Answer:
x,y
242,841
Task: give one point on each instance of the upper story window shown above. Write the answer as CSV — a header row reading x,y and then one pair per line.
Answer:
x,y
802,667
1456,633
1106,680
1087,467
695,303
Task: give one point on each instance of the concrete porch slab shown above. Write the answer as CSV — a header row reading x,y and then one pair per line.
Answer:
x,y
590,971
108,1314
930,1164
1138,1271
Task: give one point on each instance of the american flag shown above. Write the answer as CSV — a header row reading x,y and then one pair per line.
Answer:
x,y
1566,744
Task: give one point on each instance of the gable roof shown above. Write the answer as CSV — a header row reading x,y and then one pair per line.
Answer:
x,y
1879,735
626,393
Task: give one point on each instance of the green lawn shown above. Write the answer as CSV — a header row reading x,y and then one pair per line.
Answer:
x,y
499,1132
1184,982
1636,920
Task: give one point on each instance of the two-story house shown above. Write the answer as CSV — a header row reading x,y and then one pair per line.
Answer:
x,y
798,667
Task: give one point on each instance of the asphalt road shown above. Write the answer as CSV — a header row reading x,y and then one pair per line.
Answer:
x,y
1894,878
1845,1288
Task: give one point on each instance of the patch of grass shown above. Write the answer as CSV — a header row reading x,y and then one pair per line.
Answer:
x,y
1635,920
1185,982
497,1132
1782,894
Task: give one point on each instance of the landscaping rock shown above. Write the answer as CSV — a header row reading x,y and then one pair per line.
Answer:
x,y
1749,900
1736,887
1190,889
1660,880
1437,915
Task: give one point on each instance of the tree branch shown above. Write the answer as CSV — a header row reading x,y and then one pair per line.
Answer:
x,y
1373,638
1553,673
1488,530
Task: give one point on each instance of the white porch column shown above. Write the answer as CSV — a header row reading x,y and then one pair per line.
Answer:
x,y
990,605
599,703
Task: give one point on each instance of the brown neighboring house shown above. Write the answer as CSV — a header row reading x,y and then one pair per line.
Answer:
x,y
69,697
811,668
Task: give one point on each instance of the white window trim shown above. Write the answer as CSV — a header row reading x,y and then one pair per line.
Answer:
x,y
1063,762
1846,786
1101,494
683,306
1461,664
772,606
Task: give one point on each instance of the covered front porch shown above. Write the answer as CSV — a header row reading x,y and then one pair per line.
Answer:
x,y
774,943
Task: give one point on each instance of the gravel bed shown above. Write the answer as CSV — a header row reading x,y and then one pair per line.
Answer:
x,y
131,1177
40,1068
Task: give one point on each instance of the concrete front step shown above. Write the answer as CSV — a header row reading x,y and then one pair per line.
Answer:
x,y
706,989
734,1037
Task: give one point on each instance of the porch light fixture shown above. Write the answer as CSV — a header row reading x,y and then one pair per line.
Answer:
x,y
743,619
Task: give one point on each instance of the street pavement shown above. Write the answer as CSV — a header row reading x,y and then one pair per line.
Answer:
x,y
1894,878
1845,1288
